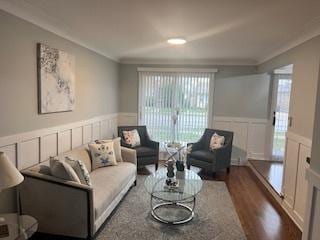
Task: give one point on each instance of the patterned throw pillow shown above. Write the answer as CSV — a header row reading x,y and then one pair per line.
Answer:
x,y
102,155
80,169
116,147
132,138
61,169
216,141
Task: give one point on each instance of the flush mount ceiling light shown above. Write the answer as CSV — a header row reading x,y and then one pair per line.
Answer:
x,y
176,41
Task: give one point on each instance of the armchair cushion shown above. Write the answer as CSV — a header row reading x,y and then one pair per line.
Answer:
x,y
146,151
202,155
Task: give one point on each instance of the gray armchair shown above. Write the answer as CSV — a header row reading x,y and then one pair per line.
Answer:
x,y
201,156
148,151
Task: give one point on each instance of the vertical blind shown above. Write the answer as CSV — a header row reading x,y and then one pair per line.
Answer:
x,y
175,105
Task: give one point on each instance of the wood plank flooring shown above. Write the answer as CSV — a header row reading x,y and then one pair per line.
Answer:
x,y
271,171
261,216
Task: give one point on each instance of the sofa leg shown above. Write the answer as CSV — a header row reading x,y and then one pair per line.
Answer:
x,y
213,174
156,166
228,170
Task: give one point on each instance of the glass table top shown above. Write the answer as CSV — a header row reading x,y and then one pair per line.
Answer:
x,y
189,185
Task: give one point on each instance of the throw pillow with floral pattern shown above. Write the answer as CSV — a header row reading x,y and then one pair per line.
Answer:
x,y
102,155
132,138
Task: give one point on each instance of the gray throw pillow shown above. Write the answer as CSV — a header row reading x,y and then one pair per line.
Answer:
x,y
80,169
60,169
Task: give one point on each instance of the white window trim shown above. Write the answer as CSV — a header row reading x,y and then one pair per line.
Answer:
x,y
186,70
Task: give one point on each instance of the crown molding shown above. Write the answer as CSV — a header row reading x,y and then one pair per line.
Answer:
x,y
209,62
28,12
311,30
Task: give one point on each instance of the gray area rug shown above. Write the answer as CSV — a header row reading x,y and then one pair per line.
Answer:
x,y
215,217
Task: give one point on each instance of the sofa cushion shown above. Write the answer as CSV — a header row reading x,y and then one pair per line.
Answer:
x,y
108,182
203,155
82,153
146,151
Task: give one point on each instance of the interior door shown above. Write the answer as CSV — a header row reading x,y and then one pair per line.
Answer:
x,y
280,113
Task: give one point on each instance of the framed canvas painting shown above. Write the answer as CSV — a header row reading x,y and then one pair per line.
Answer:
x,y
56,80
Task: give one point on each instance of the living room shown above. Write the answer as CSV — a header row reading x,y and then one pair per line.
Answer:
x,y
159,119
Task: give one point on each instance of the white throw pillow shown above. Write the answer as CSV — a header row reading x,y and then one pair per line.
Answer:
x,y
102,155
116,147
132,138
216,141
80,169
60,169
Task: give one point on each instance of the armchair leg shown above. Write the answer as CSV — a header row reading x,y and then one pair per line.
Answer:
x,y
213,174
228,170
156,166
188,166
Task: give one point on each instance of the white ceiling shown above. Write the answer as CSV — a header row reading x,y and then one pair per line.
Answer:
x,y
228,31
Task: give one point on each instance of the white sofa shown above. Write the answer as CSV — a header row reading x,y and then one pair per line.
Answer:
x,y
71,209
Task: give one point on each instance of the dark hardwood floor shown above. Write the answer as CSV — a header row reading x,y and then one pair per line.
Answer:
x,y
271,171
261,216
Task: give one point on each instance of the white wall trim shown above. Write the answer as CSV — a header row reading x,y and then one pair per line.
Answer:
x,y
240,119
30,148
187,70
300,139
312,208
250,137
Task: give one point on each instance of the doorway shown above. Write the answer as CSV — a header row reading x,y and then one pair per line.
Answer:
x,y
282,81
272,170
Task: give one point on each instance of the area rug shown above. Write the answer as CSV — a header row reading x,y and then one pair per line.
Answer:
x,y
215,217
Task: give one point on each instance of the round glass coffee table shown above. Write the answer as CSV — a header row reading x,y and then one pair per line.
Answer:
x,y
173,205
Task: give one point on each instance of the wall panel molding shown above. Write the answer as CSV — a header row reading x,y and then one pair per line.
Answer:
x,y
250,137
30,148
295,186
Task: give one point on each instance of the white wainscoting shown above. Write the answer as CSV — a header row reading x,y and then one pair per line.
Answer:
x,y
30,148
311,230
250,137
295,185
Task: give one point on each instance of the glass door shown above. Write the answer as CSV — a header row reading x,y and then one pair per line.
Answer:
x,y
281,99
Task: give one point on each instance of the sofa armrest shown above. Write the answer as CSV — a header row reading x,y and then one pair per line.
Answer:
x,y
61,207
129,155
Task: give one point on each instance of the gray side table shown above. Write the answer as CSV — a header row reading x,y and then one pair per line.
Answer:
x,y
20,226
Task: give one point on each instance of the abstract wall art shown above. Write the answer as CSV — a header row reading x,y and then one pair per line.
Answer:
x,y
56,80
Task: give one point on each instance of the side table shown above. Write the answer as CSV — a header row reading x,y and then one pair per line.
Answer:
x,y
20,226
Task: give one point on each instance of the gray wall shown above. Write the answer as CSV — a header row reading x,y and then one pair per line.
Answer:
x,y
305,60
96,79
235,95
96,84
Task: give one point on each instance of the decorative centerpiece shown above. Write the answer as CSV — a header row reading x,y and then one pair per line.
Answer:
x,y
171,181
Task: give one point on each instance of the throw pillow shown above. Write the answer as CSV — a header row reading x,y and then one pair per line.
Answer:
x,y
102,155
80,169
116,147
132,138
60,169
216,141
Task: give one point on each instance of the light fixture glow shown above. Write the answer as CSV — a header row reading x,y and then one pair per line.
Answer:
x,y
177,41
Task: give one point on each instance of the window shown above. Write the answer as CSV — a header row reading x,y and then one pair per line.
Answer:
x,y
175,104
